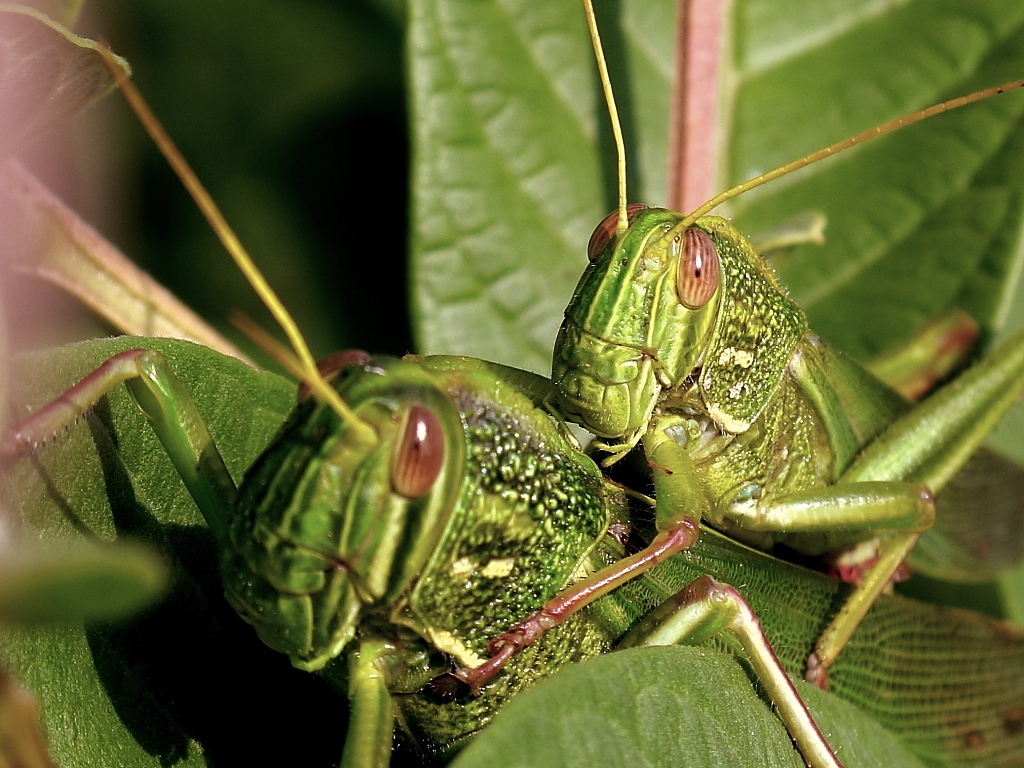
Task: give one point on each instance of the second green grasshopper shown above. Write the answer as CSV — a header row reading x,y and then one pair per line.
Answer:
x,y
679,337
757,425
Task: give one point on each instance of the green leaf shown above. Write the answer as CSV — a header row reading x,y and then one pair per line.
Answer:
x,y
918,221
77,583
187,682
509,181
513,165
671,706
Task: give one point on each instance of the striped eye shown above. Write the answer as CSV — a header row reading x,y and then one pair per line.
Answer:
x,y
605,231
419,454
699,269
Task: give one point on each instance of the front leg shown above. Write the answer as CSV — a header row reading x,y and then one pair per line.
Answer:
x,y
905,508
169,408
371,721
706,608
928,445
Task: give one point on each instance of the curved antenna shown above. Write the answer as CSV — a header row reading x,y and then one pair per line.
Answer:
x,y
839,146
307,365
622,223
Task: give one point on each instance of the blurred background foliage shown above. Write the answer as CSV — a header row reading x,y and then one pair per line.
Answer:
x,y
292,112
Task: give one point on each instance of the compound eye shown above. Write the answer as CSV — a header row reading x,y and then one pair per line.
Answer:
x,y
419,454
699,269
605,231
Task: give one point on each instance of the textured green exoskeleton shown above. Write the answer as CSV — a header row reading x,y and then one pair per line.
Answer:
x,y
680,338
514,514
327,542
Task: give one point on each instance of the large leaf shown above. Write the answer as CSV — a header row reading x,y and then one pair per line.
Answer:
x,y
667,707
507,181
919,220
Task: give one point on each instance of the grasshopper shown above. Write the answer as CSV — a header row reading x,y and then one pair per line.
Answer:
x,y
678,337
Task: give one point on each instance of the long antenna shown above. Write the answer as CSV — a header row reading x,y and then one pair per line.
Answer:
x,y
258,336
622,224
839,146
229,239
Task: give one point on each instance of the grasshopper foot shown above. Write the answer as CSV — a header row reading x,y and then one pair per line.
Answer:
x,y
816,672
477,677
506,645
446,688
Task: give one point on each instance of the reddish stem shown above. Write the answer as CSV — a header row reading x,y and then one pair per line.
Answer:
x,y
693,136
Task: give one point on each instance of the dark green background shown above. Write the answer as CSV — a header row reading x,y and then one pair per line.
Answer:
x,y
293,114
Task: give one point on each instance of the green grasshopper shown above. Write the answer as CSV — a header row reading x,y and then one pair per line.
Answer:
x,y
678,337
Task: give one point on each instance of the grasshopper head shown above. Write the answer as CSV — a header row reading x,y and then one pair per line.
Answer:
x,y
664,308
628,331
331,527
